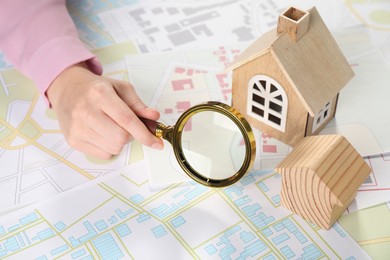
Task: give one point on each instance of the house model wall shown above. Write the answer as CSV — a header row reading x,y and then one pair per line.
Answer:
x,y
287,82
320,178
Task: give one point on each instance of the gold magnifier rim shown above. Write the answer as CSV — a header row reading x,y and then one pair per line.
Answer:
x,y
240,122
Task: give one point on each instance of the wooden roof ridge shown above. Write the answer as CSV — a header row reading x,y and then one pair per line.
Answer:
x,y
309,148
315,65
256,49
326,155
320,178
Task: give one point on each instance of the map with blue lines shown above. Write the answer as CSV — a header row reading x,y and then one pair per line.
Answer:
x,y
120,217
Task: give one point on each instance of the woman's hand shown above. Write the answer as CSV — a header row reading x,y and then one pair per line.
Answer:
x,y
99,115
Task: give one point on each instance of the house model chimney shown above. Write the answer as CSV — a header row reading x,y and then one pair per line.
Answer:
x,y
295,22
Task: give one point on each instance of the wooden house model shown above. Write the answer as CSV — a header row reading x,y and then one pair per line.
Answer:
x,y
320,178
287,82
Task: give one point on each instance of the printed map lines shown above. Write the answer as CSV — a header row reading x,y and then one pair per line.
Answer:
x,y
189,205
86,233
258,185
156,195
21,230
140,211
374,241
133,182
19,186
165,221
374,182
169,220
57,233
89,242
316,229
86,244
122,243
86,21
179,238
241,221
17,131
33,142
350,5
260,231
251,225
5,84
245,220
118,195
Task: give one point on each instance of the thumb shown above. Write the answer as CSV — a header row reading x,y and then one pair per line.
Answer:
x,y
128,94
141,110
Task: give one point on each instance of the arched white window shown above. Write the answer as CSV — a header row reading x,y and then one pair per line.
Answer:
x,y
267,101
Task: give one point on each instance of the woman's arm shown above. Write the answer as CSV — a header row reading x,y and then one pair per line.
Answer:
x,y
97,115
40,39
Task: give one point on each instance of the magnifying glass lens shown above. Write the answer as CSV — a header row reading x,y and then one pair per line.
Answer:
x,y
212,142
213,145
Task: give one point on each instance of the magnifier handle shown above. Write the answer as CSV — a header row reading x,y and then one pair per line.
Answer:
x,y
150,124
158,129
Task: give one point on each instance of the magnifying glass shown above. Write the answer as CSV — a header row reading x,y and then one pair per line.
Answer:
x,y
212,142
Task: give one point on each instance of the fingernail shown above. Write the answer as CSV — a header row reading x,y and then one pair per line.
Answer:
x,y
157,146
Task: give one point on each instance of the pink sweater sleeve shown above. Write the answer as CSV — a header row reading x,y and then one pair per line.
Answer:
x,y
40,39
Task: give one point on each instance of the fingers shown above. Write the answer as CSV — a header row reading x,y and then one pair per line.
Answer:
x,y
128,94
92,150
110,144
99,115
109,135
124,116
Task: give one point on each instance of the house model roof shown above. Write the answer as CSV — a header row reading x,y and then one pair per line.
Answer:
x,y
332,159
320,178
313,64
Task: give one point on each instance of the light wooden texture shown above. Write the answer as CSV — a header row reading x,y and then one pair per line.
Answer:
x,y
312,72
310,121
320,178
296,112
314,66
295,22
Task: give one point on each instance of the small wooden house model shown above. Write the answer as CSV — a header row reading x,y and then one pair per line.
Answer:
x,y
320,178
287,82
